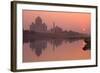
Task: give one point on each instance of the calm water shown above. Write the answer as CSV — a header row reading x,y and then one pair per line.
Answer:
x,y
55,50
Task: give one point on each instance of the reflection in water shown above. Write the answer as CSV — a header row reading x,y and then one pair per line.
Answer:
x,y
56,43
38,46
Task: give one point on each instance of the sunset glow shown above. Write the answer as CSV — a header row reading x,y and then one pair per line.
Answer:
x,y
79,22
51,36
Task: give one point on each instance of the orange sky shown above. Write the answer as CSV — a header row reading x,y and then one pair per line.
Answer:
x,y
79,22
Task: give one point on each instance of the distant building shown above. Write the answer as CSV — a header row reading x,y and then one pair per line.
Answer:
x,y
55,29
38,26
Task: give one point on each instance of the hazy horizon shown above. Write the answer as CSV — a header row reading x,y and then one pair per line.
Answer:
x,y
79,22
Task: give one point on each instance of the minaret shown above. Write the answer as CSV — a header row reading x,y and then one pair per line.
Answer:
x,y
54,26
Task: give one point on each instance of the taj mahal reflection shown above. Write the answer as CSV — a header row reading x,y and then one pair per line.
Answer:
x,y
38,46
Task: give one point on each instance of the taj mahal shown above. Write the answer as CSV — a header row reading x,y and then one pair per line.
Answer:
x,y
40,26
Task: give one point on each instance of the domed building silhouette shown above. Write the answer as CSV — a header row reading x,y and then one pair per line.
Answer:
x,y
38,26
38,46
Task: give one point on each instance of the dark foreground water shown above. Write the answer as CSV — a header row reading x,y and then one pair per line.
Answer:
x,y
55,50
